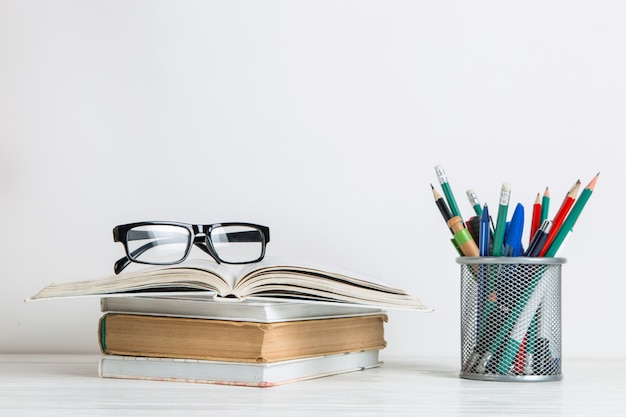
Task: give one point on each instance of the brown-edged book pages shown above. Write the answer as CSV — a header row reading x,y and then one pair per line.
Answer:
x,y
224,340
270,279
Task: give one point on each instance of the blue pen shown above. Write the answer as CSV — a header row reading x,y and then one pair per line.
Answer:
x,y
513,236
483,241
506,299
483,250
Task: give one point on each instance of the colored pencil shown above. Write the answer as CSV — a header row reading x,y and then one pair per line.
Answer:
x,y
567,204
447,191
536,218
571,218
545,206
475,202
441,204
503,207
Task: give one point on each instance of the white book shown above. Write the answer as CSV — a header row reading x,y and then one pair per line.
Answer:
x,y
234,373
250,311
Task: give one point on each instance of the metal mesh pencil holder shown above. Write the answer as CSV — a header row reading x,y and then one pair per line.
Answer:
x,y
511,318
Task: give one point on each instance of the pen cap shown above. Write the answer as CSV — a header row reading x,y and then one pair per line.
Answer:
x,y
473,225
456,246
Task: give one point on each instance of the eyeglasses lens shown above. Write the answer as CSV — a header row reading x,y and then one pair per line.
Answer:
x,y
158,244
237,244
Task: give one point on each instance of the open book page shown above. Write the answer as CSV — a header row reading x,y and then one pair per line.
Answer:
x,y
273,278
193,275
309,267
284,278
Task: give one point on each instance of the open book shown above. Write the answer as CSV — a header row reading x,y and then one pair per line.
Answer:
x,y
266,280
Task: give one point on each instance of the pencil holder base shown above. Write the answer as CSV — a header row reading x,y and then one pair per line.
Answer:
x,y
511,318
511,378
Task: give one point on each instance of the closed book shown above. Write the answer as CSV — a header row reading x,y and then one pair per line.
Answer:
x,y
257,311
261,375
235,341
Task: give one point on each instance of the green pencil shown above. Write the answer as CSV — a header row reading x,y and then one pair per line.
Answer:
x,y
475,203
503,208
443,180
570,220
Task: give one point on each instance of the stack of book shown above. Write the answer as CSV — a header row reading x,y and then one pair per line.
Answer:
x,y
245,343
271,323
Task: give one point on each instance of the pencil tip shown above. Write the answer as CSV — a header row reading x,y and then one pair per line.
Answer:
x,y
431,186
592,184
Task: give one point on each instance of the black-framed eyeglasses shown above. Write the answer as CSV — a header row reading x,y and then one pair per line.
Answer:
x,y
168,243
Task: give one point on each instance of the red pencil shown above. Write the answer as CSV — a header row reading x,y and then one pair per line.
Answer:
x,y
536,219
567,204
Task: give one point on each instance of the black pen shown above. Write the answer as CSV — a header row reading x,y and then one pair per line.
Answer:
x,y
539,239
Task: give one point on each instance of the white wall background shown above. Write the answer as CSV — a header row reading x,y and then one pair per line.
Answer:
x,y
321,119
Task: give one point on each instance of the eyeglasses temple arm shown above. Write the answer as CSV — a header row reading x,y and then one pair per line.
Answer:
x,y
125,261
122,263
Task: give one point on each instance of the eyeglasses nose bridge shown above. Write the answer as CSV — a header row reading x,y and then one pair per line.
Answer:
x,y
199,232
200,237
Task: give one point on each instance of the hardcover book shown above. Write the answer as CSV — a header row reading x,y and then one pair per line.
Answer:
x,y
262,375
225,340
